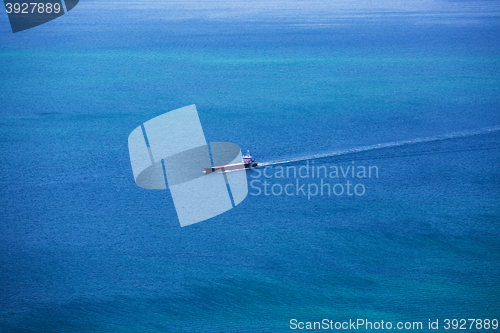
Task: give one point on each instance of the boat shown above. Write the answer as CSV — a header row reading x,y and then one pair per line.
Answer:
x,y
247,162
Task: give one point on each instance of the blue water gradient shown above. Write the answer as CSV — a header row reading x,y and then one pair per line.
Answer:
x,y
83,249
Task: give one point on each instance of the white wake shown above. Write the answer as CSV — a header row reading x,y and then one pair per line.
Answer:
x,y
453,135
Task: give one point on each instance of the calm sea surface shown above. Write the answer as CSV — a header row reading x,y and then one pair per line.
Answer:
x,y
83,249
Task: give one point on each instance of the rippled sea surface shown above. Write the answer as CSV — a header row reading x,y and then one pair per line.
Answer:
x,y
83,249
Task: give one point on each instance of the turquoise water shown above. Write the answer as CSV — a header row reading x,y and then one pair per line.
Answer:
x,y
83,249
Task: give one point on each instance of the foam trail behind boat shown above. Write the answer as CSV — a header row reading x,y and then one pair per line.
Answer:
x,y
453,135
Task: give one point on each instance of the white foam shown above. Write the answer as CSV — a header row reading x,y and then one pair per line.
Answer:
x,y
441,137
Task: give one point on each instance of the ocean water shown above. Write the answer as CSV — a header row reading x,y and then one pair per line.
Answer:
x,y
83,249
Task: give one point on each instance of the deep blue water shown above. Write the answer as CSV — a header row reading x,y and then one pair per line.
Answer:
x,y
83,249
